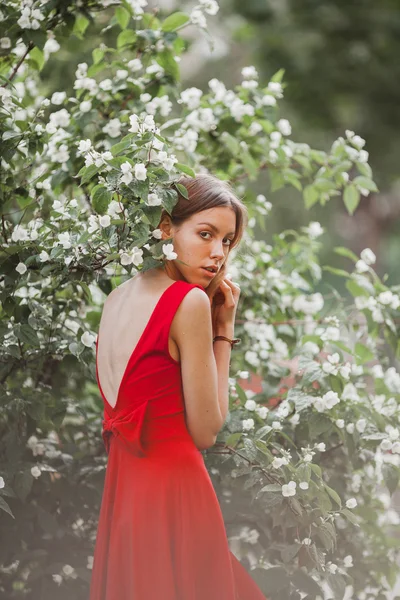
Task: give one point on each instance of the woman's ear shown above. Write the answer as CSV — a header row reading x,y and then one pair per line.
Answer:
x,y
166,226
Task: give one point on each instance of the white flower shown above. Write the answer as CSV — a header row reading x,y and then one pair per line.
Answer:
x,y
250,405
57,578
127,176
135,64
85,106
157,233
289,489
279,461
249,72
348,561
350,392
36,472
153,200
276,425
191,97
5,43
262,411
19,234
247,424
361,266
105,220
284,126
303,485
58,98
345,370
276,88
311,348
307,541
351,503
2,484
350,428
308,457
88,339
321,446
68,570
198,18
330,399
168,250
332,568
209,6
360,425
64,240
140,172
43,256
339,423
84,146
314,229
368,256
21,268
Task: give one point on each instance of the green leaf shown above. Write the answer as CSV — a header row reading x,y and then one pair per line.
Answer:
x,y
346,252
122,16
231,143
26,334
334,495
364,169
306,584
365,182
80,25
126,38
390,476
174,21
37,55
249,164
351,198
355,289
233,438
271,487
339,272
166,59
121,146
4,506
97,55
23,484
349,516
86,173
185,169
363,353
310,196
101,198
182,190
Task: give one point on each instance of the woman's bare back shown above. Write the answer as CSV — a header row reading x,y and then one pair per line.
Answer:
x,y
125,315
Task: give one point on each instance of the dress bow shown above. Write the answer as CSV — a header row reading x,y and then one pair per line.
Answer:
x,y
127,425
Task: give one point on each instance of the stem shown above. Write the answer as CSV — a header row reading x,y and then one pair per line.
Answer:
x,y
19,63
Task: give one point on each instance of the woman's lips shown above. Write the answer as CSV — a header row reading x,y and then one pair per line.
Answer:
x,y
209,273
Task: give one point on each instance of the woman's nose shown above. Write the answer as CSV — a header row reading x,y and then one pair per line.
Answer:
x,y
218,251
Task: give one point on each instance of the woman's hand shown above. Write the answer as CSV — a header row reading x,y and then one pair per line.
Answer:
x,y
224,304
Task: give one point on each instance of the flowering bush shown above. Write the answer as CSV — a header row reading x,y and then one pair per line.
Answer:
x,y
85,177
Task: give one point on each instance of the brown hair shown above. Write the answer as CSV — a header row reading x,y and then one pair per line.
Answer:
x,y
207,191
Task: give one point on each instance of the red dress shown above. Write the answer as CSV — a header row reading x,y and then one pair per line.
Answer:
x,y
161,534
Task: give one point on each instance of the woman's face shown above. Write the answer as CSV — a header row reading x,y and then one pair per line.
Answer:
x,y
201,241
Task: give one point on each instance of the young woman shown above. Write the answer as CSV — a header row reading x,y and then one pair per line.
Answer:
x,y
162,367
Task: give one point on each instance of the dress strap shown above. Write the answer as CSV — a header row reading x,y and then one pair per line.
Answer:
x,y
171,304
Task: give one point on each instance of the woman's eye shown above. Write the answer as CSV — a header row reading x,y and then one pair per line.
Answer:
x,y
208,233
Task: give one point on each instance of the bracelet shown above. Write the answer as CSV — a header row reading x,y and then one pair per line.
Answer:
x,y
232,342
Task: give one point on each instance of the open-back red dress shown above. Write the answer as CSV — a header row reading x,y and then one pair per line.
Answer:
x,y
161,534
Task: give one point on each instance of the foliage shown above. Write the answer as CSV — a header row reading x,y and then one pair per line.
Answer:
x,y
84,180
